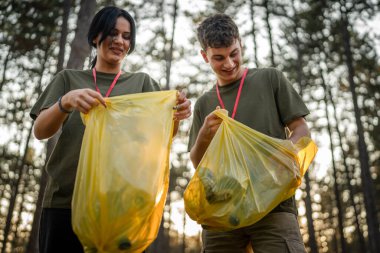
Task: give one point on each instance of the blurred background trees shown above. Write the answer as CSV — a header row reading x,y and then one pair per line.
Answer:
x,y
328,49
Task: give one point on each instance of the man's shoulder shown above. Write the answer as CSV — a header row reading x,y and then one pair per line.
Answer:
x,y
203,100
207,94
265,70
265,75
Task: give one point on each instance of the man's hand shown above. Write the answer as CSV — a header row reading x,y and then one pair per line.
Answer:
x,y
205,135
298,128
209,128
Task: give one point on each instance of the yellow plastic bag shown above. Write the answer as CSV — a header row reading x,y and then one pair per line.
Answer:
x,y
243,175
123,172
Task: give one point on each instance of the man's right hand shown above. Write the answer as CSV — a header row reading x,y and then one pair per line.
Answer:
x,y
205,135
209,128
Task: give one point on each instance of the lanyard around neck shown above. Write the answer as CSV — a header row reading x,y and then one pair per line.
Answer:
x,y
111,86
237,96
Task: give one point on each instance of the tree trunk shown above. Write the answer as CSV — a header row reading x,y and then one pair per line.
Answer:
x,y
253,31
5,64
267,17
342,240
63,38
79,47
348,176
110,2
327,91
169,52
367,182
19,168
184,232
309,216
16,240
76,60
32,246
308,202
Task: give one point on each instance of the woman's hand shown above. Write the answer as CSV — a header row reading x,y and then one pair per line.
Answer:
x,y
51,119
82,100
183,107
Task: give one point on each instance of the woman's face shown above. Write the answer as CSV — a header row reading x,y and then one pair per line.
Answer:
x,y
113,49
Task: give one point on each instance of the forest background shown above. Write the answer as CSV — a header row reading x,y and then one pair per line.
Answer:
x,y
329,50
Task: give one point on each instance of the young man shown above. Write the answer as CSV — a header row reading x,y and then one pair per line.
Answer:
x,y
267,103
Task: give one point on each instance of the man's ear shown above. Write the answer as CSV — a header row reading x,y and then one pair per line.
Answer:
x,y
241,46
204,55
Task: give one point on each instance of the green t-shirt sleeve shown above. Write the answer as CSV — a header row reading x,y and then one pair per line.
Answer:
x,y
150,84
196,125
289,103
50,95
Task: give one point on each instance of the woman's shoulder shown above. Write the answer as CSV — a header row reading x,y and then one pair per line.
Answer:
x,y
142,78
139,74
74,72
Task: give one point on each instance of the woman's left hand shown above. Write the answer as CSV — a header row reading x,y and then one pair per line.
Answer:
x,y
183,107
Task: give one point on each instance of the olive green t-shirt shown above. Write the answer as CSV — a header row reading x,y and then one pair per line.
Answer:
x,y
268,102
62,164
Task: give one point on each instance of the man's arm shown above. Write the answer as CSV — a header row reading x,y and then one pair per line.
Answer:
x,y
205,135
298,128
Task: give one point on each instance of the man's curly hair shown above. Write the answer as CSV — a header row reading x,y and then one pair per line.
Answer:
x,y
217,31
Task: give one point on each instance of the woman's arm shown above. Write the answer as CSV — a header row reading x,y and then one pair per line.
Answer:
x,y
51,119
183,108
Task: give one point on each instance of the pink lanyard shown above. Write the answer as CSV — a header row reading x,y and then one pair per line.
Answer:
x,y
237,96
112,84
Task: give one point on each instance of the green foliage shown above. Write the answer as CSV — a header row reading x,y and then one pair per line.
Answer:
x,y
28,34
26,25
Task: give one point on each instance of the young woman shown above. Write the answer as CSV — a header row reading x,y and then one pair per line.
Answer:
x,y
113,34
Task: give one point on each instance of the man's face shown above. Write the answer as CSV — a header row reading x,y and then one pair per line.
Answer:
x,y
225,62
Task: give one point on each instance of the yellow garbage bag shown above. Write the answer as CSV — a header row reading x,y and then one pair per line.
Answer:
x,y
243,175
123,172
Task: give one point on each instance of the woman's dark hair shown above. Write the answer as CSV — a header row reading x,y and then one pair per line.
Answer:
x,y
217,31
104,22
